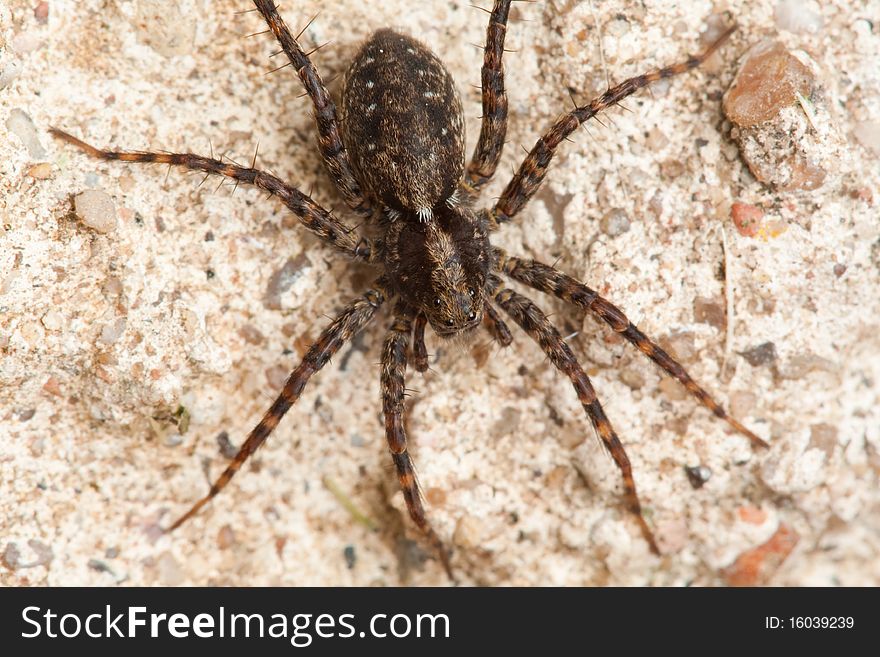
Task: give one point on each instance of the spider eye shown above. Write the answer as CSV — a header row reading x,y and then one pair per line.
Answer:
x,y
472,292
437,301
450,323
472,316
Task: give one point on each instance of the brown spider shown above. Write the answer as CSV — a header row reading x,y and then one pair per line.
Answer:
x,y
397,155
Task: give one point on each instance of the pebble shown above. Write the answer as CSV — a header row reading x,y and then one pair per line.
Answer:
x,y
53,320
110,333
763,354
22,126
711,312
26,42
9,70
698,475
615,222
283,278
798,16
766,82
754,567
746,218
41,171
742,402
823,437
781,121
96,210
41,11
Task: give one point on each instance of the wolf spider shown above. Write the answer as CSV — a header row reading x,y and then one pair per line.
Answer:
x,y
397,155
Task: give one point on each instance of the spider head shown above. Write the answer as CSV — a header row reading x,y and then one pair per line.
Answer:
x,y
440,267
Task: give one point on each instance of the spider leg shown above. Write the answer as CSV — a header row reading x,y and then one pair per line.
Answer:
x,y
393,372
351,320
329,139
534,322
494,121
551,281
311,215
530,175
420,352
496,326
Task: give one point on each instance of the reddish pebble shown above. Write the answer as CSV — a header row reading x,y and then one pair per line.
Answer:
x,y
746,218
752,515
755,566
41,12
52,386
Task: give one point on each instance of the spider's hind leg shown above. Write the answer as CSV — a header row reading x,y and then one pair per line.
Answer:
x,y
394,353
534,322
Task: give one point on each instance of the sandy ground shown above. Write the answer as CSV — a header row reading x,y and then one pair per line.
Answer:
x,y
199,299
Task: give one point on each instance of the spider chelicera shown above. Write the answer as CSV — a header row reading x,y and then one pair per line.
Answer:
x,y
396,153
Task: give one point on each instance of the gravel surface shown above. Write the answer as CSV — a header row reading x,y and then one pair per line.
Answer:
x,y
146,321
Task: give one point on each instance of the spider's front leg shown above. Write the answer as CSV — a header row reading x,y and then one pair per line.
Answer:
x,y
531,172
311,215
393,372
350,321
551,281
534,322
330,143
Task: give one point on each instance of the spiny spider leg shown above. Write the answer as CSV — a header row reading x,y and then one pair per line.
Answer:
x,y
329,139
531,172
494,122
420,352
315,218
551,281
352,319
534,322
496,326
393,372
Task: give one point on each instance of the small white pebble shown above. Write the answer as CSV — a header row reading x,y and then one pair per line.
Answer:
x,y
22,126
52,320
798,16
96,210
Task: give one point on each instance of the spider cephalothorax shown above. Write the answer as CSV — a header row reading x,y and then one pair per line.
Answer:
x,y
441,266
398,155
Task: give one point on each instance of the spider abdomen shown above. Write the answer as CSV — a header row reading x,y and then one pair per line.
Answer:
x,y
402,124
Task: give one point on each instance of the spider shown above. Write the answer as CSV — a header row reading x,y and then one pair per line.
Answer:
x,y
396,152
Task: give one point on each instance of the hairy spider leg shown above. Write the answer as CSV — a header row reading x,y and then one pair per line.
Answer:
x,y
493,128
350,321
535,323
530,175
496,326
420,352
311,215
329,139
551,281
394,352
